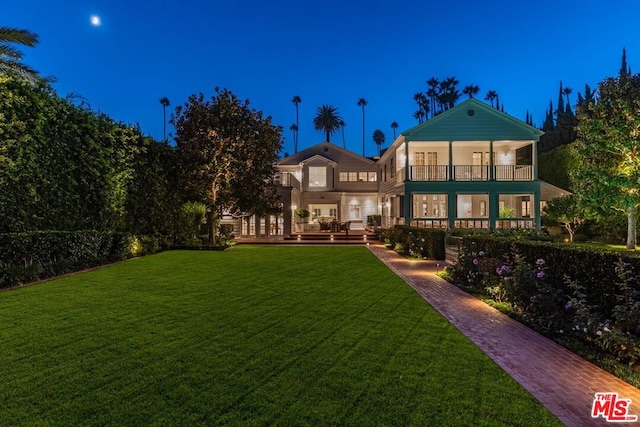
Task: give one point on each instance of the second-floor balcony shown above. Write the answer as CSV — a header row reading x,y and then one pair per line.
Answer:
x,y
471,173
287,179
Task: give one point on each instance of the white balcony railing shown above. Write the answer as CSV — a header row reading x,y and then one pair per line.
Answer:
x,y
469,173
430,173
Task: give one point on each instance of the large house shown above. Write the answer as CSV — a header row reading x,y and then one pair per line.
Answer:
x,y
469,167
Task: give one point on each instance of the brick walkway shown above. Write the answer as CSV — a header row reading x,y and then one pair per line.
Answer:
x,y
560,380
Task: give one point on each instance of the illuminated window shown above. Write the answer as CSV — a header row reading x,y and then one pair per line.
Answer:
x,y
317,176
344,176
373,176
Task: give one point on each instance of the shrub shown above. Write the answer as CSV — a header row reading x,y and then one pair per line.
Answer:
x,y
559,290
415,241
29,256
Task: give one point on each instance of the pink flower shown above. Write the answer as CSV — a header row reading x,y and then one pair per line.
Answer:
x,y
540,274
475,261
540,262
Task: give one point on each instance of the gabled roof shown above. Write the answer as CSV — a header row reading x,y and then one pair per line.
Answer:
x,y
326,150
318,157
472,120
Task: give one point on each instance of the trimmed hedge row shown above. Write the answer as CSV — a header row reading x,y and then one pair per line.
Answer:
x,y
29,256
594,269
567,291
420,242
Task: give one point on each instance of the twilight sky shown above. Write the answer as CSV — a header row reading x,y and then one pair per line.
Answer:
x,y
329,52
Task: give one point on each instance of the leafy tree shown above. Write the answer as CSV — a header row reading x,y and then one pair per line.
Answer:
x,y
10,57
362,102
555,165
394,126
227,151
327,120
164,101
607,175
296,100
378,138
567,211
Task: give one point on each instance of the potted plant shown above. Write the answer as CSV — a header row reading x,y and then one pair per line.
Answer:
x,y
303,214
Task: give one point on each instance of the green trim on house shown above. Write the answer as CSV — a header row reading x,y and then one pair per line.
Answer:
x,y
472,120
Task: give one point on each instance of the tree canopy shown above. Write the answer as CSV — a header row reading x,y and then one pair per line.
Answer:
x,y
227,151
607,175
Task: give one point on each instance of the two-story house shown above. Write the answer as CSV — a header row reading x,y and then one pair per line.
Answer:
x,y
331,183
469,167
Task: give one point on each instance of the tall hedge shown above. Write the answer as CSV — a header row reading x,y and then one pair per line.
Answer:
x,y
421,242
30,256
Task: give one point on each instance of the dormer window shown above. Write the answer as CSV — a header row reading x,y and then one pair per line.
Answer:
x,y
317,176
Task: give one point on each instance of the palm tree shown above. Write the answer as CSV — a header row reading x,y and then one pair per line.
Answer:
x,y
378,138
432,93
394,126
342,125
164,101
294,129
327,120
449,93
296,100
422,101
491,95
362,102
419,115
567,91
10,57
471,90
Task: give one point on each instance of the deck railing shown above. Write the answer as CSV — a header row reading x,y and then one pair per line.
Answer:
x,y
429,173
469,173
287,179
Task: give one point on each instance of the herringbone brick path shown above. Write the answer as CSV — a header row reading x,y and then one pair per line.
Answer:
x,y
562,381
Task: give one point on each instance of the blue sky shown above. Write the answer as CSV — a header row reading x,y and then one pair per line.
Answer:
x,y
330,52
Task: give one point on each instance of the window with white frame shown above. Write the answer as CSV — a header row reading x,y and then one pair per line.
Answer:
x,y
317,176
429,205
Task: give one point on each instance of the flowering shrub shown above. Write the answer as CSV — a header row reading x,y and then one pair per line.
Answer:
x,y
557,292
419,242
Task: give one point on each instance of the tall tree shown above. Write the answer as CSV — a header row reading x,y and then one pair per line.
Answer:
x,y
471,90
625,70
164,101
362,102
378,138
342,125
589,96
296,100
327,120
419,116
394,126
423,103
432,93
294,129
491,96
608,146
227,151
11,57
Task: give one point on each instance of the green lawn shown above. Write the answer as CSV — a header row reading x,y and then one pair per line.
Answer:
x,y
250,336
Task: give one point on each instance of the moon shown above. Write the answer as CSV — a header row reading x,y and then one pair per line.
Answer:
x,y
95,20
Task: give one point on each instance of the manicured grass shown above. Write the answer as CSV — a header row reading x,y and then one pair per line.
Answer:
x,y
250,336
